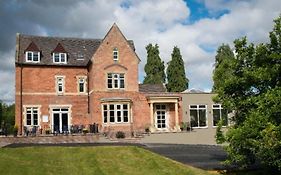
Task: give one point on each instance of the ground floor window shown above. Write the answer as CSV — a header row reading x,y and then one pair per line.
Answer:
x,y
32,116
219,114
115,113
161,118
198,115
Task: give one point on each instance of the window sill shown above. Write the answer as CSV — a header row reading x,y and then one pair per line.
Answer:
x,y
201,127
116,124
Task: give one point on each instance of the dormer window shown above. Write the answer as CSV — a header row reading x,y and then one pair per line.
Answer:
x,y
32,53
115,54
31,56
59,58
59,54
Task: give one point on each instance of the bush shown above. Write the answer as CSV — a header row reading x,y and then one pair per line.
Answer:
x,y
120,135
85,131
15,130
219,134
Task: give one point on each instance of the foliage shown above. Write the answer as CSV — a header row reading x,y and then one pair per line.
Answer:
x,y
222,70
85,131
177,81
120,135
101,160
154,68
250,84
15,130
7,113
219,134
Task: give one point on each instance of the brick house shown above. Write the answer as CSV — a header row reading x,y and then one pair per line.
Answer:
x,y
62,82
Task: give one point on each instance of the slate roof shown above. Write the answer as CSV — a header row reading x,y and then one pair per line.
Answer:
x,y
152,88
79,50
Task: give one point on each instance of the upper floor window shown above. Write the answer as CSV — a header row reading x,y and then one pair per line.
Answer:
x,y
115,54
32,56
198,115
115,81
59,58
31,116
219,114
60,84
82,84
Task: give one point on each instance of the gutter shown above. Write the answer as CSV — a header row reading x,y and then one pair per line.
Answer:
x,y
21,68
88,86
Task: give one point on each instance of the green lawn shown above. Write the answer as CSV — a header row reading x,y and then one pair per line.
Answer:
x,y
89,160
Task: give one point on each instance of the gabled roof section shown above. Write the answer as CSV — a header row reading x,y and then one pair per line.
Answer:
x,y
130,42
59,49
32,47
76,48
152,88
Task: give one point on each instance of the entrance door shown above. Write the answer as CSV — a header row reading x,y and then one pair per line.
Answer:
x,y
60,120
161,118
56,120
64,118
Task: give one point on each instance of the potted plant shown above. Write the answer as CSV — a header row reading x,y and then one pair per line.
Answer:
x,y
183,126
15,130
147,130
48,131
120,135
85,131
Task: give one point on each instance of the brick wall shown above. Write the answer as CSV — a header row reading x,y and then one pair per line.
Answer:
x,y
103,63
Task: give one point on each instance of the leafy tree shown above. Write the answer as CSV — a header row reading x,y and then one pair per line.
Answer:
x,y
251,87
8,116
219,133
222,70
154,68
177,81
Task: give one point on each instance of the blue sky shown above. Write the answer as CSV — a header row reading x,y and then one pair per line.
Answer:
x,y
197,27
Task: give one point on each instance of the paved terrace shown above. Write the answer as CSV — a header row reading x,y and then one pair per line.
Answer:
x,y
195,137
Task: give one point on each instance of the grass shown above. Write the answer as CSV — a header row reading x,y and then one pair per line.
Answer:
x,y
112,160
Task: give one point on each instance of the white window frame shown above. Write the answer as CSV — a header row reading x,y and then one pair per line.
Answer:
x,y
198,108
31,110
162,108
32,56
60,55
220,108
115,110
115,54
60,81
82,79
116,77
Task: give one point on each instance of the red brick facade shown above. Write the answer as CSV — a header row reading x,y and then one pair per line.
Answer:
x,y
37,88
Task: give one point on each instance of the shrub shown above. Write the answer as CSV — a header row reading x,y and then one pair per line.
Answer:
x,y
15,130
120,135
85,131
219,134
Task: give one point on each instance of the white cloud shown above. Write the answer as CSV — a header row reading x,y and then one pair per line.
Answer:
x,y
158,21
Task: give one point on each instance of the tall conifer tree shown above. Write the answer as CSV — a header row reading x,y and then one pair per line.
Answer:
x,y
177,81
154,68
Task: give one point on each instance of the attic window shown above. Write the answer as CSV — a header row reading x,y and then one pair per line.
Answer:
x,y
59,54
32,53
59,58
115,54
33,57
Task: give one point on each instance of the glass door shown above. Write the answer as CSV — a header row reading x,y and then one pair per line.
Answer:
x,y
161,118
